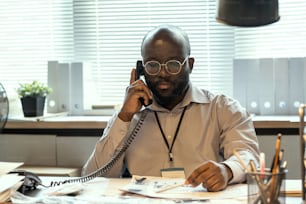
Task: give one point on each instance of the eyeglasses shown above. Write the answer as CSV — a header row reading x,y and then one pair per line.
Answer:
x,y
172,66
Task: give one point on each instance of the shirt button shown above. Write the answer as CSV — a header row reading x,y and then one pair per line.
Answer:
x,y
169,136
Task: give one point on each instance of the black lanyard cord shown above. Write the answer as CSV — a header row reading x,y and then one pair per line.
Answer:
x,y
175,135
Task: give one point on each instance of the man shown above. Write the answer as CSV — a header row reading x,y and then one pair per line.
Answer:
x,y
187,129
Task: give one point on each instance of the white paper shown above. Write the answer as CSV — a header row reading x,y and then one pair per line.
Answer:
x,y
9,183
6,167
151,185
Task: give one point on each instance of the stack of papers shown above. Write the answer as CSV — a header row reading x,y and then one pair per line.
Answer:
x,y
172,188
9,183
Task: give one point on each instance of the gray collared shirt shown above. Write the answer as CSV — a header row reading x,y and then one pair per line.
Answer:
x,y
212,127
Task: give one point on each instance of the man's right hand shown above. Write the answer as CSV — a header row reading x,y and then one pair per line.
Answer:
x,y
136,90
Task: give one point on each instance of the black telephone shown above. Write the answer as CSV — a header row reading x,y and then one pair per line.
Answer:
x,y
30,181
139,69
140,72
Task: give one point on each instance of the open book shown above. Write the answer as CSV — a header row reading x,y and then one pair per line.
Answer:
x,y
9,183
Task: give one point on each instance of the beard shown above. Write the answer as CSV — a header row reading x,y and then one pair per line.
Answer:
x,y
173,93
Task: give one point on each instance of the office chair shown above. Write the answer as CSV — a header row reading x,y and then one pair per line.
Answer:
x,y
302,133
4,108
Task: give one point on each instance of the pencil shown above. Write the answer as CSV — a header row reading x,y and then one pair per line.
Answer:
x,y
275,168
241,161
276,156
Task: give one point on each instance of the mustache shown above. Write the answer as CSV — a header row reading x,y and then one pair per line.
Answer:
x,y
159,81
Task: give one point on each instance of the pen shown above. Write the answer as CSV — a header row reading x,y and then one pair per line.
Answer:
x,y
262,165
170,187
281,157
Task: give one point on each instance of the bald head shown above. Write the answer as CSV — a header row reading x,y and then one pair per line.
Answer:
x,y
167,32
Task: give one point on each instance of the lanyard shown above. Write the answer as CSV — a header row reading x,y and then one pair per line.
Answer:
x,y
175,135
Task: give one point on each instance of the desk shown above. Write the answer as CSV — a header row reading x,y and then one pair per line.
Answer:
x,y
101,190
100,122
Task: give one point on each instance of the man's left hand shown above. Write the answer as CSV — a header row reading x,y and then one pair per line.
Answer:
x,y
213,176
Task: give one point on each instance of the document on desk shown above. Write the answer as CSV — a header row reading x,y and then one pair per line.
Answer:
x,y
6,167
9,183
172,188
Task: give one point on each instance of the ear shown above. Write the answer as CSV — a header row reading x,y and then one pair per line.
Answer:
x,y
190,62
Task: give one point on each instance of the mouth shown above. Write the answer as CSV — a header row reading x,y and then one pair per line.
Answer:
x,y
164,85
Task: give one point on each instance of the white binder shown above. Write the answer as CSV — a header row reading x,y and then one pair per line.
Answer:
x,y
240,81
252,86
266,86
281,83
64,87
52,98
296,83
82,89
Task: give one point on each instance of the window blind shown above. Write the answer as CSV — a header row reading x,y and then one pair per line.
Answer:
x,y
33,32
108,35
286,38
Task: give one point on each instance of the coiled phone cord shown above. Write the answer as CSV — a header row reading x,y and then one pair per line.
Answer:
x,y
116,156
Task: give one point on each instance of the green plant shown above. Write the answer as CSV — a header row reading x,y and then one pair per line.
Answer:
x,y
33,89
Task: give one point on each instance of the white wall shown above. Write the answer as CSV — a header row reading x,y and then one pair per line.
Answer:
x,y
30,149
46,150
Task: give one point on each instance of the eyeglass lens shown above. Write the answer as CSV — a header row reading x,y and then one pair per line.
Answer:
x,y
154,67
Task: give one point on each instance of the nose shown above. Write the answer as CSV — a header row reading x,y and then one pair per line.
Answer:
x,y
163,71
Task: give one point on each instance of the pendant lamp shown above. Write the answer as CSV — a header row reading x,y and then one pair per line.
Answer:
x,y
247,13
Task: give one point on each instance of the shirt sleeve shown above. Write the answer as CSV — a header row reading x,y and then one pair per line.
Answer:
x,y
111,140
238,170
237,133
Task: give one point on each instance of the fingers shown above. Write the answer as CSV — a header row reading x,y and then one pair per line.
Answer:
x,y
211,175
133,76
136,90
140,90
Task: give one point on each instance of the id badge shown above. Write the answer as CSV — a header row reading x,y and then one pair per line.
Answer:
x,y
173,172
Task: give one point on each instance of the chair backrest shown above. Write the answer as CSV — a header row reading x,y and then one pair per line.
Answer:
x,y
302,133
4,108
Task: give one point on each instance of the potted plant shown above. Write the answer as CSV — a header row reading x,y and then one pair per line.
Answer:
x,y
33,96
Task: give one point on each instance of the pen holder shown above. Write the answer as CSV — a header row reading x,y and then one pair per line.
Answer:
x,y
266,188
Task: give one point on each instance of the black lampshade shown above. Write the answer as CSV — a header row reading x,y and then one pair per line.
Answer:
x,y
247,13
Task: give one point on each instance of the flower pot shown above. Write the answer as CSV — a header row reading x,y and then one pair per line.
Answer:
x,y
33,106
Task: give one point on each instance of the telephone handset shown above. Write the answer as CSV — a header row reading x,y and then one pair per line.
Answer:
x,y
139,69
139,72
30,181
116,156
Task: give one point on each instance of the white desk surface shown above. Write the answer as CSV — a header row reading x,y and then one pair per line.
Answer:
x,y
101,190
